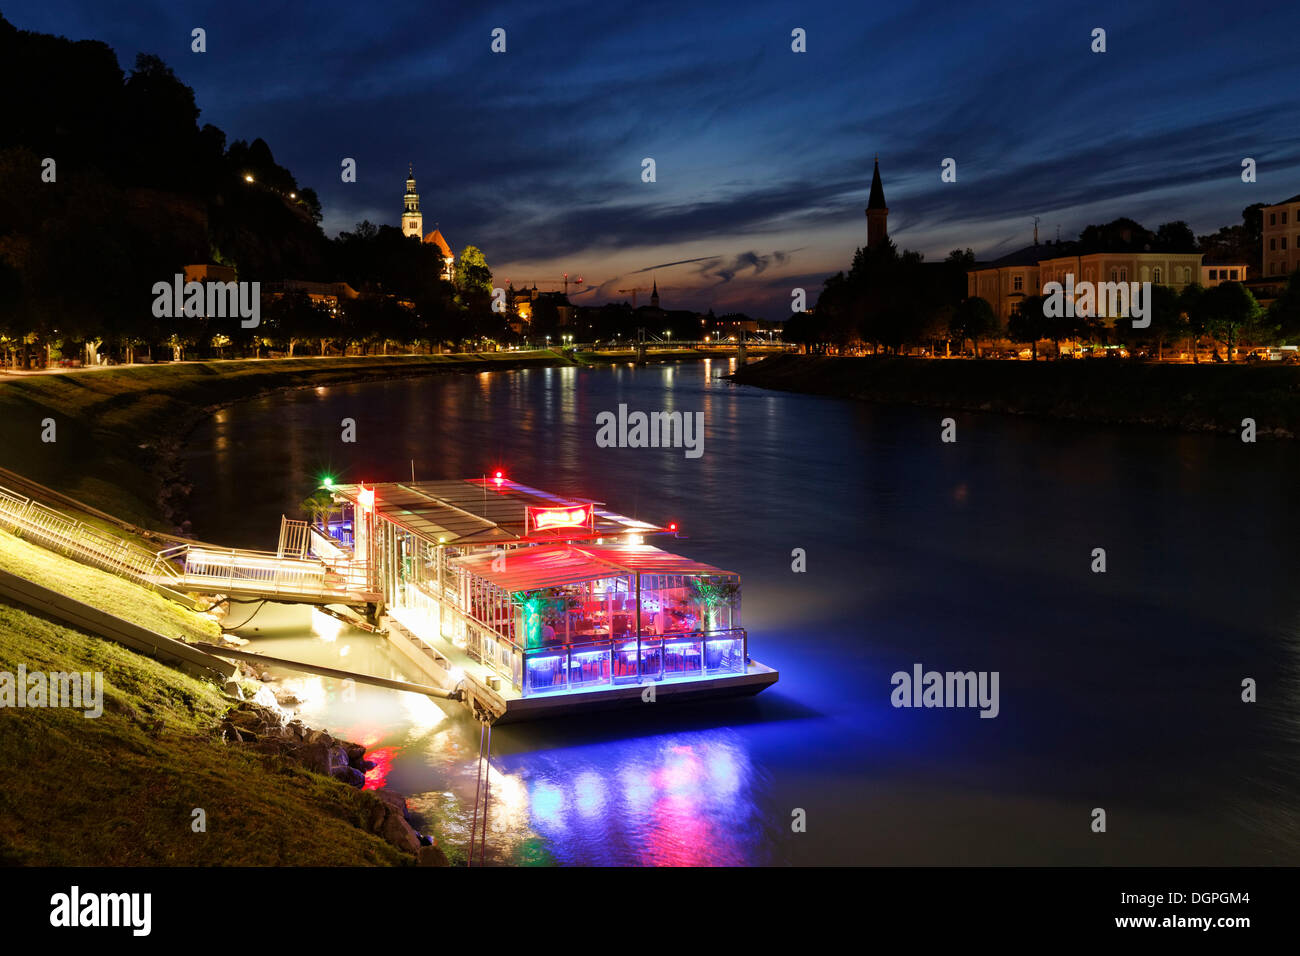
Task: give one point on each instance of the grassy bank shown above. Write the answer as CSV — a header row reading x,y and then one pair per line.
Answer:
x,y
118,429
120,789
1186,397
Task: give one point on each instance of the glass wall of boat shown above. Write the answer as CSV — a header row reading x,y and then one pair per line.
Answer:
x,y
608,629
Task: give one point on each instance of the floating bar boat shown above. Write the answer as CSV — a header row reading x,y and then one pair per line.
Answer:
x,y
537,604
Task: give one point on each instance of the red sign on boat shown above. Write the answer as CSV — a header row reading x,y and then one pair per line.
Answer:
x,y
569,516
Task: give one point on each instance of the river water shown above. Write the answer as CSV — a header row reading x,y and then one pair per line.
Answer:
x,y
1119,691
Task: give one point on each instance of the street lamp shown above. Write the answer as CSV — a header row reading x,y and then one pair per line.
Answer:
x,y
248,178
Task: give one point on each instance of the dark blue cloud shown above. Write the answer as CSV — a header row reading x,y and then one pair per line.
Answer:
x,y
535,155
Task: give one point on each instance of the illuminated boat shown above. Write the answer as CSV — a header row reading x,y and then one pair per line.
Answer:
x,y
537,604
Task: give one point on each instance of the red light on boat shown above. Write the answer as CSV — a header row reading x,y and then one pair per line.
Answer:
x,y
672,526
499,477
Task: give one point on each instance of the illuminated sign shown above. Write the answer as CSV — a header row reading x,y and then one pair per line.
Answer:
x,y
570,516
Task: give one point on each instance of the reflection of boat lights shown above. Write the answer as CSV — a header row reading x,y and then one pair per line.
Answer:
x,y
548,804
325,627
724,774
590,794
637,792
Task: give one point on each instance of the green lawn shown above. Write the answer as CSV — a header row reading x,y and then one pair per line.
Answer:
x,y
105,591
120,789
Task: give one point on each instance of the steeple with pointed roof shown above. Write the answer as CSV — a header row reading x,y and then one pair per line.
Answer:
x,y
877,211
654,295
412,220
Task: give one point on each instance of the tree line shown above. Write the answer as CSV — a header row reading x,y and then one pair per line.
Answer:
x,y
108,184
891,300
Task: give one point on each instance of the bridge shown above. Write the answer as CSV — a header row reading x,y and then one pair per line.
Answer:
x,y
306,568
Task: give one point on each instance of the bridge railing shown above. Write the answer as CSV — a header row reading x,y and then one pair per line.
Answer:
x,y
66,535
270,573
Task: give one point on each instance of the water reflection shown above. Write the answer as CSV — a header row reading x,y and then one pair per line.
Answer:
x,y
969,555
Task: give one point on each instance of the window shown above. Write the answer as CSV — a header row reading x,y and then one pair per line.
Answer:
x,y
1114,275
1272,219
1233,274
1018,283
1123,275
1214,274
1155,275
1284,242
1272,245
1284,217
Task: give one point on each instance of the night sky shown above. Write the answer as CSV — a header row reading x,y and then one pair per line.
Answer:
x,y
763,155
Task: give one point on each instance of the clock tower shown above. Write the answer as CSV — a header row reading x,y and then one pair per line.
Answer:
x,y
412,221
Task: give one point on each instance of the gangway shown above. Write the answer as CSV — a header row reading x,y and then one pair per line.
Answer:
x,y
307,568
61,533
273,575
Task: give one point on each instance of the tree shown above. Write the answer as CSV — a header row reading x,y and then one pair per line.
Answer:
x,y
1284,313
1190,307
974,320
1028,324
1176,237
1229,309
472,272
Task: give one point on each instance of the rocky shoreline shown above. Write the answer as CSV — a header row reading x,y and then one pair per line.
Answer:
x,y
265,725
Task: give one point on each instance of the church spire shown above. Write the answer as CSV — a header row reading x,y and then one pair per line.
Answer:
x,y
654,294
412,220
877,211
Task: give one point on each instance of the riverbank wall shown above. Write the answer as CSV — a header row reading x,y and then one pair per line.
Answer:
x,y
1195,398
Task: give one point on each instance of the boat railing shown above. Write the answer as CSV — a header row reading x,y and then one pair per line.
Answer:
x,y
630,659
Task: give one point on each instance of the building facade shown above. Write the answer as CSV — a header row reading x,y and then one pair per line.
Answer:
x,y
1281,236
1006,281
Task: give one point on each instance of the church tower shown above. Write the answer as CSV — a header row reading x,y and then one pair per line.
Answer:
x,y
877,211
654,295
412,221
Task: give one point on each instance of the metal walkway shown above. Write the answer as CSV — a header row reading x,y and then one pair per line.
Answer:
x,y
58,532
267,574
307,568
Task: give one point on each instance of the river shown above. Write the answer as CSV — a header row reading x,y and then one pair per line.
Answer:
x,y
1119,691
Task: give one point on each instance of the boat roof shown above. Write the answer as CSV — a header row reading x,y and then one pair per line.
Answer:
x,y
484,511
526,569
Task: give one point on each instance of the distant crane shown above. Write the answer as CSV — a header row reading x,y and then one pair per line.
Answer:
x,y
633,293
